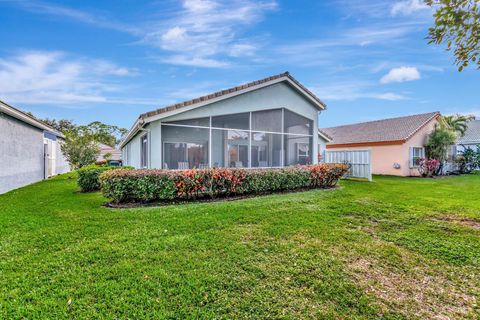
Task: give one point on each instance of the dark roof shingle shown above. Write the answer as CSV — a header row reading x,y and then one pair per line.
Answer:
x,y
387,130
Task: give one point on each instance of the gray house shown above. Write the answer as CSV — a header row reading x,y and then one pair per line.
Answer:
x,y
29,149
271,122
471,139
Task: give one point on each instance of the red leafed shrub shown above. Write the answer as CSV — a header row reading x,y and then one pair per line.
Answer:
x,y
428,167
156,185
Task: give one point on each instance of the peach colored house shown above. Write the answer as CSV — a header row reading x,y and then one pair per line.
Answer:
x,y
396,144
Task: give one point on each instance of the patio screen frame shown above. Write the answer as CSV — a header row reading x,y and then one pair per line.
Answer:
x,y
250,133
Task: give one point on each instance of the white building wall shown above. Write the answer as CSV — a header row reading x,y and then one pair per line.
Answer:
x,y
62,165
21,154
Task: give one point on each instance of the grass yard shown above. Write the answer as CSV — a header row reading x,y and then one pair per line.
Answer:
x,y
397,248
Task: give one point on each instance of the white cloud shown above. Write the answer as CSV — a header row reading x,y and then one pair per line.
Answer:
x,y
184,60
82,16
199,5
54,77
401,74
408,7
354,90
242,50
205,29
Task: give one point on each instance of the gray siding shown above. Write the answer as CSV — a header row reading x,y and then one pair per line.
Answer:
x,y
21,154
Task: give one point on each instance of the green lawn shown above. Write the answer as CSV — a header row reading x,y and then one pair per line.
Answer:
x,y
397,248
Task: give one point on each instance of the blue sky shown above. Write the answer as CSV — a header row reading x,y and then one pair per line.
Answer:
x,y
112,60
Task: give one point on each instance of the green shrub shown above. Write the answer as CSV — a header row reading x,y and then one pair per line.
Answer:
x,y
89,176
156,185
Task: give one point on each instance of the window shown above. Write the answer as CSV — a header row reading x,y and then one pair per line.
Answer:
x,y
232,121
270,120
144,151
303,153
126,154
416,155
297,124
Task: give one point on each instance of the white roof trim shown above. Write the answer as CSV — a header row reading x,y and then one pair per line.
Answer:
x,y
146,120
11,111
326,138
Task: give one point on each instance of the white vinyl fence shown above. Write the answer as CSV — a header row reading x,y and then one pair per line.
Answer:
x,y
359,161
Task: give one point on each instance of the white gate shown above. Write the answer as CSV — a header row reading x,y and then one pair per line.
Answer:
x,y
50,153
359,161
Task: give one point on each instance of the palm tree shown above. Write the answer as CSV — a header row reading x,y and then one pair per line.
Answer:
x,y
457,123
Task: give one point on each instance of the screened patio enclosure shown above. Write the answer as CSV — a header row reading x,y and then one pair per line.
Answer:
x,y
258,139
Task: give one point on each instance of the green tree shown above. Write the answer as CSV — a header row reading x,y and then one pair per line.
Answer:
x,y
103,133
80,147
61,125
457,25
106,134
439,142
458,123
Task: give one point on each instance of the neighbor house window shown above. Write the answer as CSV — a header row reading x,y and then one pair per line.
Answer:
x,y
416,155
144,151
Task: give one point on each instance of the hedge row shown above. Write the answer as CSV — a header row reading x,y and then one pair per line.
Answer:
x,y
122,186
89,176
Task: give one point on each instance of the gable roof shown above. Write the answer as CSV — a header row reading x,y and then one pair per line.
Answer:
x,y
387,131
222,95
472,135
238,89
26,118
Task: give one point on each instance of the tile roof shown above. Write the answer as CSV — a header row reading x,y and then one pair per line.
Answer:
x,y
472,134
387,130
228,91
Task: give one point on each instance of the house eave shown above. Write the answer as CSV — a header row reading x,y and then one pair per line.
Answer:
x,y
19,115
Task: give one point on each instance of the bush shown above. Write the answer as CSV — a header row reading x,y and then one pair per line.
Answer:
x,y
156,185
89,176
428,167
468,160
